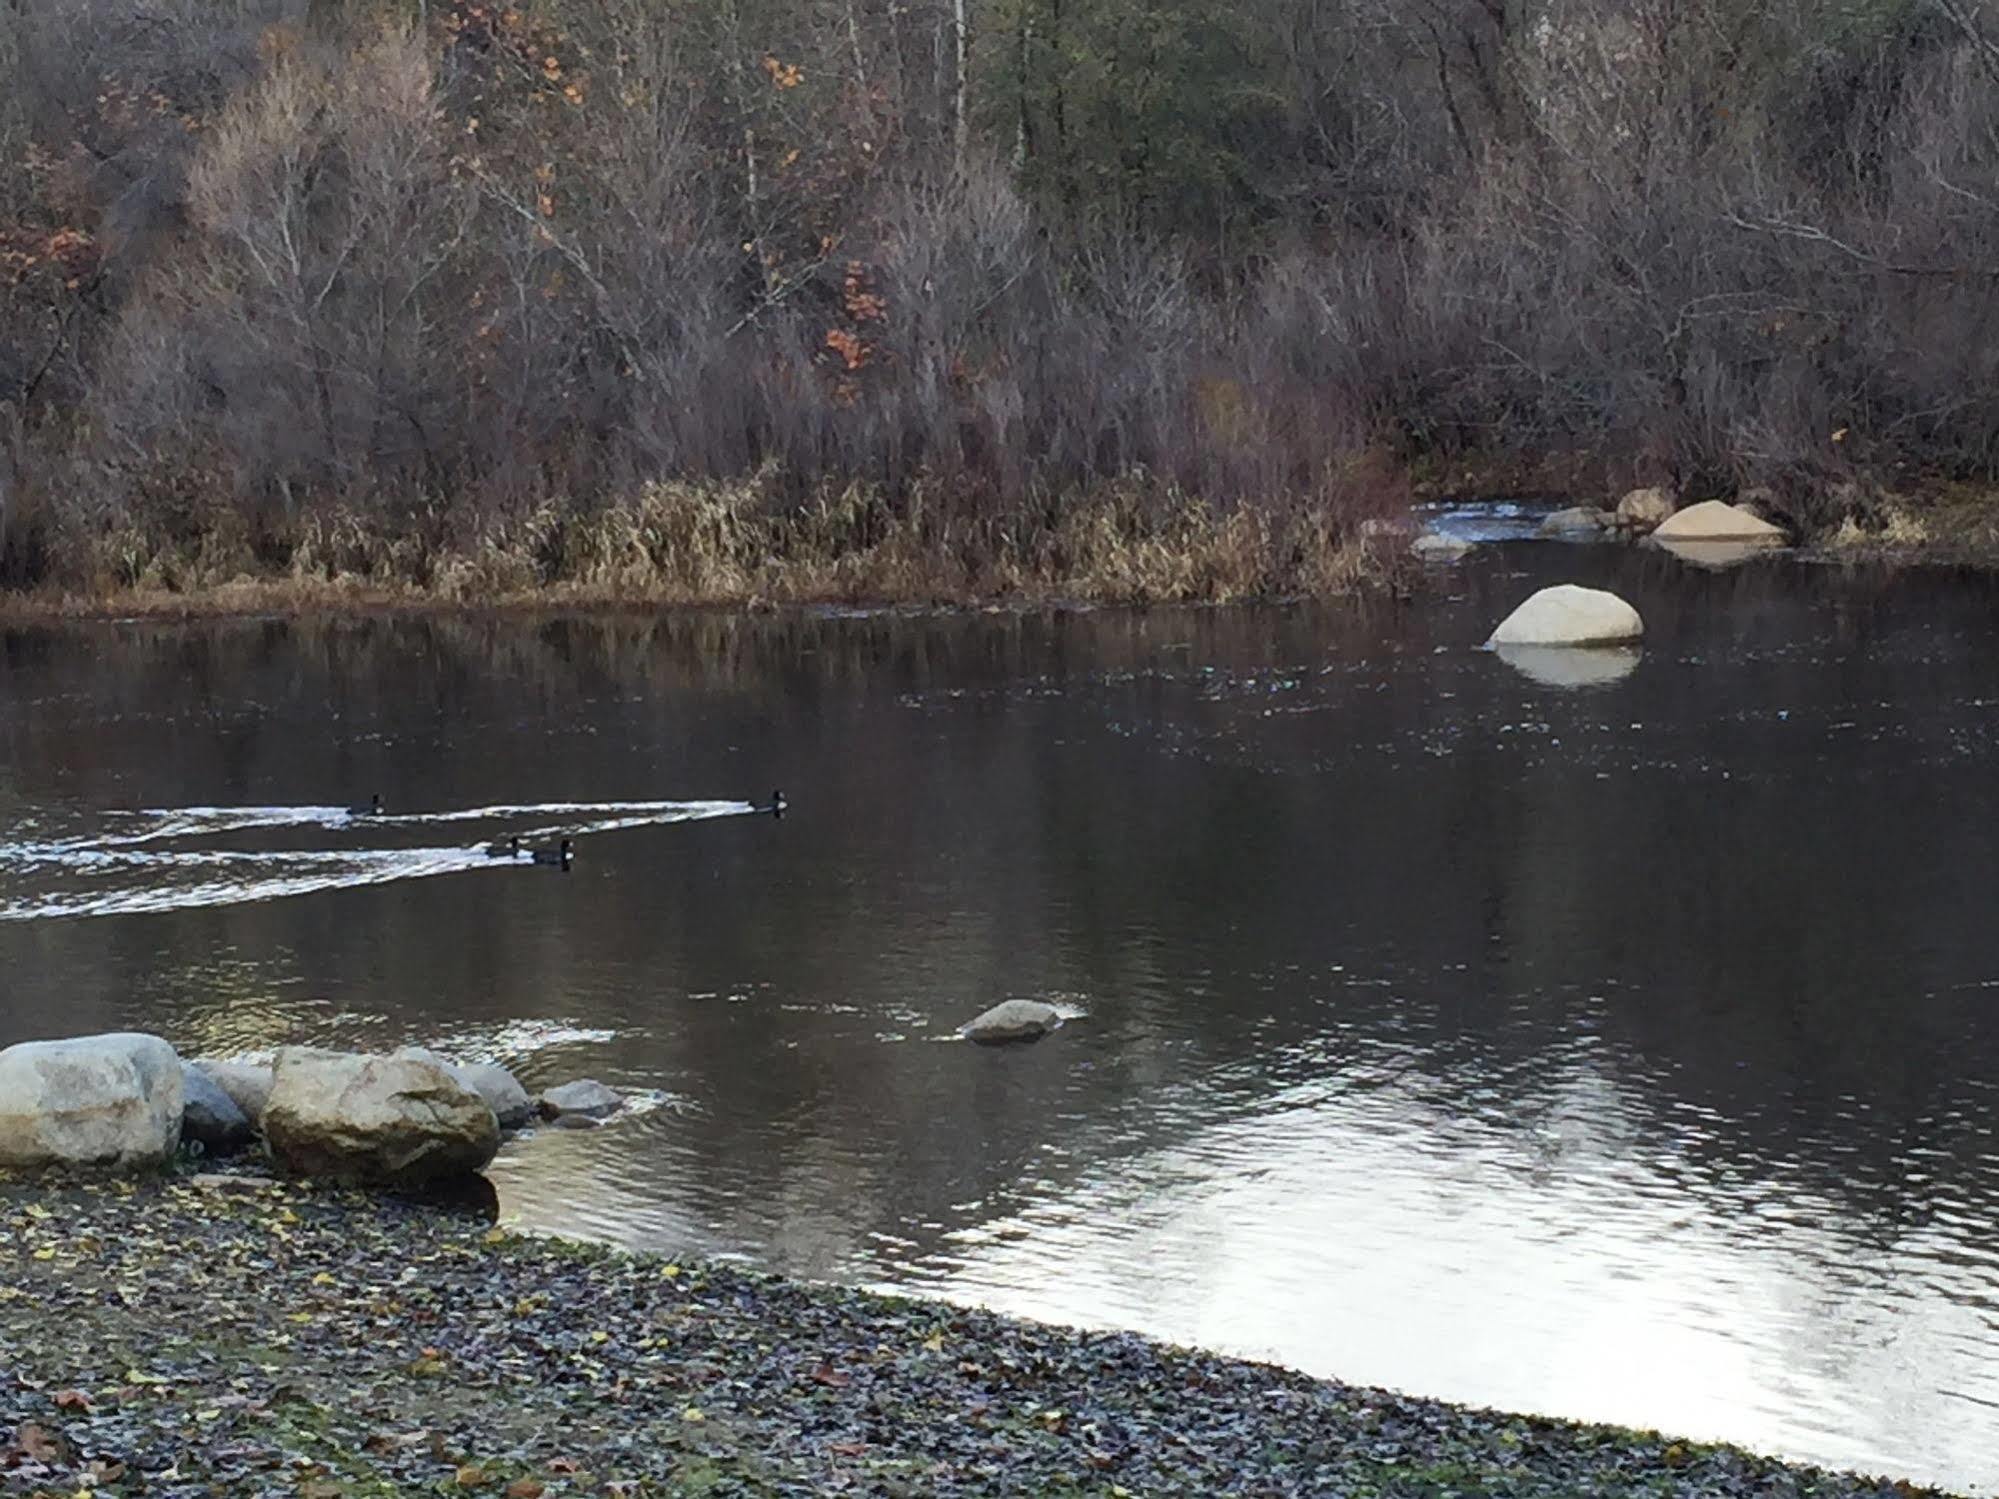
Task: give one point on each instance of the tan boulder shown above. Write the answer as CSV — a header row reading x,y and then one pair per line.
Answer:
x,y
393,1121
1643,509
1572,616
1716,520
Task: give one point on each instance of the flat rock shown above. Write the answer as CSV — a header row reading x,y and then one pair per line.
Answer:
x,y
1716,520
1433,547
1579,520
112,1100
1569,615
391,1121
1644,509
502,1091
586,1098
248,1084
1013,1020
210,1115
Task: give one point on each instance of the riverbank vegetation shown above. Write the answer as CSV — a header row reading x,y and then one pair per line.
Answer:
x,y
724,299
230,1335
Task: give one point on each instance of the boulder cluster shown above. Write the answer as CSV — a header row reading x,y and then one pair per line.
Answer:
x,y
405,1118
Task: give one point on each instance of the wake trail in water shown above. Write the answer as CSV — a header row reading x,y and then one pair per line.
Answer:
x,y
144,879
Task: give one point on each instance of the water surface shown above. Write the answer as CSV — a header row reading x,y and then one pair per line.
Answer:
x,y
1621,1050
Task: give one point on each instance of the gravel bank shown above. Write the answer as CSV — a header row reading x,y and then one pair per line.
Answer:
x,y
170,1338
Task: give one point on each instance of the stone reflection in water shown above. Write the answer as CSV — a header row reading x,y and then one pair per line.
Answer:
x,y
1571,666
1624,1052
1715,555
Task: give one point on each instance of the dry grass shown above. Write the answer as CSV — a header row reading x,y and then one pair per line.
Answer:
x,y
735,544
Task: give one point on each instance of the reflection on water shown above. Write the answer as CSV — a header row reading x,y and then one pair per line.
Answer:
x,y
1568,666
1624,1052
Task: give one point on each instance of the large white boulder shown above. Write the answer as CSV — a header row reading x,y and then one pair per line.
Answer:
x,y
95,1101
394,1121
1569,615
1715,520
1013,1020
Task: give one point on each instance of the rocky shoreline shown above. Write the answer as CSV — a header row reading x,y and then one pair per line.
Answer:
x,y
168,1328
180,1336
409,1118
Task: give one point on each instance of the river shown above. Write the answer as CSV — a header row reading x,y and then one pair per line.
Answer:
x,y
1625,1048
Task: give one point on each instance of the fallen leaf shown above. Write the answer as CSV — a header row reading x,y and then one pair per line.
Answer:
x,y
472,1476
692,1413
826,1374
562,1465
42,1444
72,1400
848,1449
526,1488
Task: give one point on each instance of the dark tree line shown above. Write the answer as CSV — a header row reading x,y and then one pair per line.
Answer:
x,y
430,264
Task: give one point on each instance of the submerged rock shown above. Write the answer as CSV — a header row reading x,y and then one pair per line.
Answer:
x,y
586,1098
248,1084
1570,616
111,1100
392,1121
1434,547
1013,1020
1644,509
1715,520
1579,520
210,1115
502,1091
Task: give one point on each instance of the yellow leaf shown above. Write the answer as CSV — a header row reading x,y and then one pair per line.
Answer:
x,y
600,1337
935,1343
496,1236
692,1413
301,1317
46,1252
323,1279
670,1272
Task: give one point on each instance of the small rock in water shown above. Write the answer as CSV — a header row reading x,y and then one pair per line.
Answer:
x,y
1568,615
1013,1020
248,1084
587,1097
210,1116
575,1121
95,1101
1432,546
1579,520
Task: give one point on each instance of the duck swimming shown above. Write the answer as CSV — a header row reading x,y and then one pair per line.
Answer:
x,y
559,856
511,849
